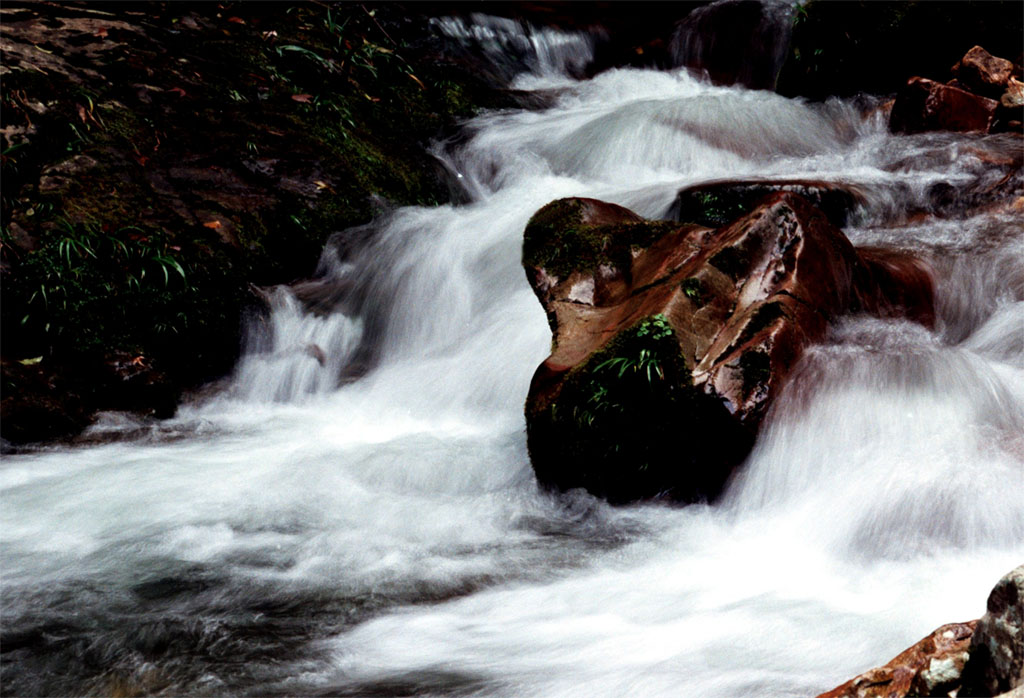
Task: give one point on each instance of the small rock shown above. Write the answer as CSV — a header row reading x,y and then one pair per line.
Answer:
x,y
926,105
997,648
1014,95
982,72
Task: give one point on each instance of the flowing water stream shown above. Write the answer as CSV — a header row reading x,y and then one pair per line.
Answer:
x,y
354,514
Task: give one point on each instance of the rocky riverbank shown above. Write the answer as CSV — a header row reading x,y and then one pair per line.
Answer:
x,y
160,160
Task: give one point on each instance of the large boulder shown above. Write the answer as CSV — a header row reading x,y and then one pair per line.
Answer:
x,y
927,105
997,648
670,340
931,667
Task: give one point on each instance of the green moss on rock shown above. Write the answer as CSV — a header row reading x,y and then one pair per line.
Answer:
x,y
557,240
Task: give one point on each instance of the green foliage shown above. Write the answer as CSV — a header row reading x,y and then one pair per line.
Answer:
x,y
629,423
693,289
84,282
717,210
557,241
632,365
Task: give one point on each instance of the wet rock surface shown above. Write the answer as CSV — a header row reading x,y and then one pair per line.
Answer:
x,y
932,667
982,72
982,657
926,105
984,95
997,649
670,340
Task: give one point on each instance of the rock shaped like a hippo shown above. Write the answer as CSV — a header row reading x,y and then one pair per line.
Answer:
x,y
671,340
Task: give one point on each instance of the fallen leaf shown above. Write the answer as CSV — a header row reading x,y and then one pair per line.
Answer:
x,y
81,113
101,33
304,98
180,92
236,20
31,362
321,185
213,225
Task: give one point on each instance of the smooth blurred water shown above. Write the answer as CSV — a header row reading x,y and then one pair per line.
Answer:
x,y
315,529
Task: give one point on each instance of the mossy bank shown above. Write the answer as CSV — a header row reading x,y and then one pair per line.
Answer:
x,y
159,159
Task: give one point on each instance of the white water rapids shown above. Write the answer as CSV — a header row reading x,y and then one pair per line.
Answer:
x,y
383,535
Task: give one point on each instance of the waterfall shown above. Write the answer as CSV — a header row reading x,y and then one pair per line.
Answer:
x,y
741,42
354,512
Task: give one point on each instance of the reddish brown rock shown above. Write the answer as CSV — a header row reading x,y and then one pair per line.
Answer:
x,y
901,285
982,72
926,105
670,340
932,667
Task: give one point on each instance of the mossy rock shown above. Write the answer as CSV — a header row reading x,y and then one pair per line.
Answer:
x,y
581,235
628,424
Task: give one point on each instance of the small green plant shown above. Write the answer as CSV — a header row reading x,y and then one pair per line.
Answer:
x,y
82,269
645,362
612,383
693,289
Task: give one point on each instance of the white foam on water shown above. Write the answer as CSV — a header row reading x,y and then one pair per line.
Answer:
x,y
884,497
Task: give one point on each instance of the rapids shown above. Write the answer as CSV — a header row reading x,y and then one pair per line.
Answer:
x,y
366,521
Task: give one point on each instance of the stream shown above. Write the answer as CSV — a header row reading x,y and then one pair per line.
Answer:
x,y
365,522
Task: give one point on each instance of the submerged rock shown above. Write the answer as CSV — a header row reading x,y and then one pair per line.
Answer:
x,y
671,340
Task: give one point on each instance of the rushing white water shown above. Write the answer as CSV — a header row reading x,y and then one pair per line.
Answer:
x,y
312,529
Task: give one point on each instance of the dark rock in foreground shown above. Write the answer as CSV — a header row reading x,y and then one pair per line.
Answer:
x,y
671,340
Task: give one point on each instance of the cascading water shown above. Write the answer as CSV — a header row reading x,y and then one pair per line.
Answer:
x,y
741,42
318,530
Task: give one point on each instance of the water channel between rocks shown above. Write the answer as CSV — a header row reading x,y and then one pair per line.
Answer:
x,y
387,537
